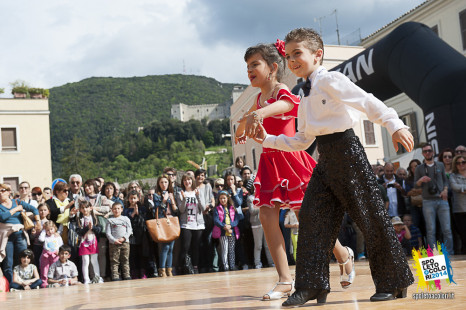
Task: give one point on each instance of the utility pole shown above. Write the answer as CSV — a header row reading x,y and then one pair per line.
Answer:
x,y
338,31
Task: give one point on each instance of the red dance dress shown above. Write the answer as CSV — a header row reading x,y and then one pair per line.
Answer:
x,y
282,176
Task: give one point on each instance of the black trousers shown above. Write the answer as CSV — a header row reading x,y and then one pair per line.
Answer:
x,y
191,239
343,181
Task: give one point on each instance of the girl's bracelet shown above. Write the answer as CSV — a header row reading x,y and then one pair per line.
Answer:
x,y
257,118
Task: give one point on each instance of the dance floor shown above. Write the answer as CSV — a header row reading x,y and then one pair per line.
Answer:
x,y
224,290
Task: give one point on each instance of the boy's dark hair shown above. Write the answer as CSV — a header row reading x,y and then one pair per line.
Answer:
x,y
244,169
198,172
64,248
117,204
270,54
309,36
27,253
423,145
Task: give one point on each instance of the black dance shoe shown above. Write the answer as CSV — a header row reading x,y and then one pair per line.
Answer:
x,y
399,293
301,296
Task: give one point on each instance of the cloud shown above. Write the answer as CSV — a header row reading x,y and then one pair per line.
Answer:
x,y
52,42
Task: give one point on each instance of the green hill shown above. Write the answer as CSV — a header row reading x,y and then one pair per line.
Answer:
x,y
99,109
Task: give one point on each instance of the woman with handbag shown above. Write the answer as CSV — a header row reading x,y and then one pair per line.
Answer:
x,y
165,206
191,206
12,229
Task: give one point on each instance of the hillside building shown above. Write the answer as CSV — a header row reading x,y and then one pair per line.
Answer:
x,y
25,142
185,112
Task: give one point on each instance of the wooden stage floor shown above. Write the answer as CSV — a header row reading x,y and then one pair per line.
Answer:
x,y
224,290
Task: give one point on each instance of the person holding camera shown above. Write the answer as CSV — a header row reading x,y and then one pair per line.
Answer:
x,y
431,177
395,191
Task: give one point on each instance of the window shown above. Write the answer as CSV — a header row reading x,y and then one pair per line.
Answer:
x,y
9,140
254,159
462,16
411,121
435,29
369,133
13,182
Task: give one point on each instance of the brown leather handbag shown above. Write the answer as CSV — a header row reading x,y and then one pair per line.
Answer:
x,y
165,229
27,222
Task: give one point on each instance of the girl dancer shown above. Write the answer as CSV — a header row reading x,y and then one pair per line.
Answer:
x,y
282,177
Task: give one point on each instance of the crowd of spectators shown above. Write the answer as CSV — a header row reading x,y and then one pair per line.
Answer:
x,y
427,200
94,231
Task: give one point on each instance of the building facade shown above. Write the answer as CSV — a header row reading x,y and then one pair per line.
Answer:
x,y
369,133
25,142
447,18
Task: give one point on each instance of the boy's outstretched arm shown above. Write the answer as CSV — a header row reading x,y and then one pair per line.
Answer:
x,y
405,138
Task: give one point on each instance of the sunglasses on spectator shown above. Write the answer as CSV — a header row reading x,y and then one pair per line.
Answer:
x,y
426,151
4,190
75,182
447,156
461,162
66,190
219,185
36,194
170,174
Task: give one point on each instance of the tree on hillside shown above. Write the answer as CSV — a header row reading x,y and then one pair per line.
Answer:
x,y
77,158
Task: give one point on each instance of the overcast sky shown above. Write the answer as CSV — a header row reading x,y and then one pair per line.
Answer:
x,y
49,43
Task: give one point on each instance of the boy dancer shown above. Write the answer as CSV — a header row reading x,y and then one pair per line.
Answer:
x,y
343,179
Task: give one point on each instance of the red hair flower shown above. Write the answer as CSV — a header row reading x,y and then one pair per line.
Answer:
x,y
280,45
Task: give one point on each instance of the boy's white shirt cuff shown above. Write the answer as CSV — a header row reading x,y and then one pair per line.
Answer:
x,y
395,125
269,141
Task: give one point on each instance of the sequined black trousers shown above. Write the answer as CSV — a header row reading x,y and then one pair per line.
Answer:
x,y
343,181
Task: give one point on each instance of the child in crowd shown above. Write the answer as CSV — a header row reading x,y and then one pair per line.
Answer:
x,y
226,229
118,232
136,212
37,246
403,234
52,241
342,180
88,228
25,275
291,221
63,272
258,233
416,236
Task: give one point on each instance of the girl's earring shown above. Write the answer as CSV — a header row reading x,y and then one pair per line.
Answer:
x,y
269,77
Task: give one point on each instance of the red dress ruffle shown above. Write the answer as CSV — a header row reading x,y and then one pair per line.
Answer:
x,y
282,176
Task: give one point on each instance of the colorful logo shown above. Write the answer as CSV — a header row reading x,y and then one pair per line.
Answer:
x,y
432,266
